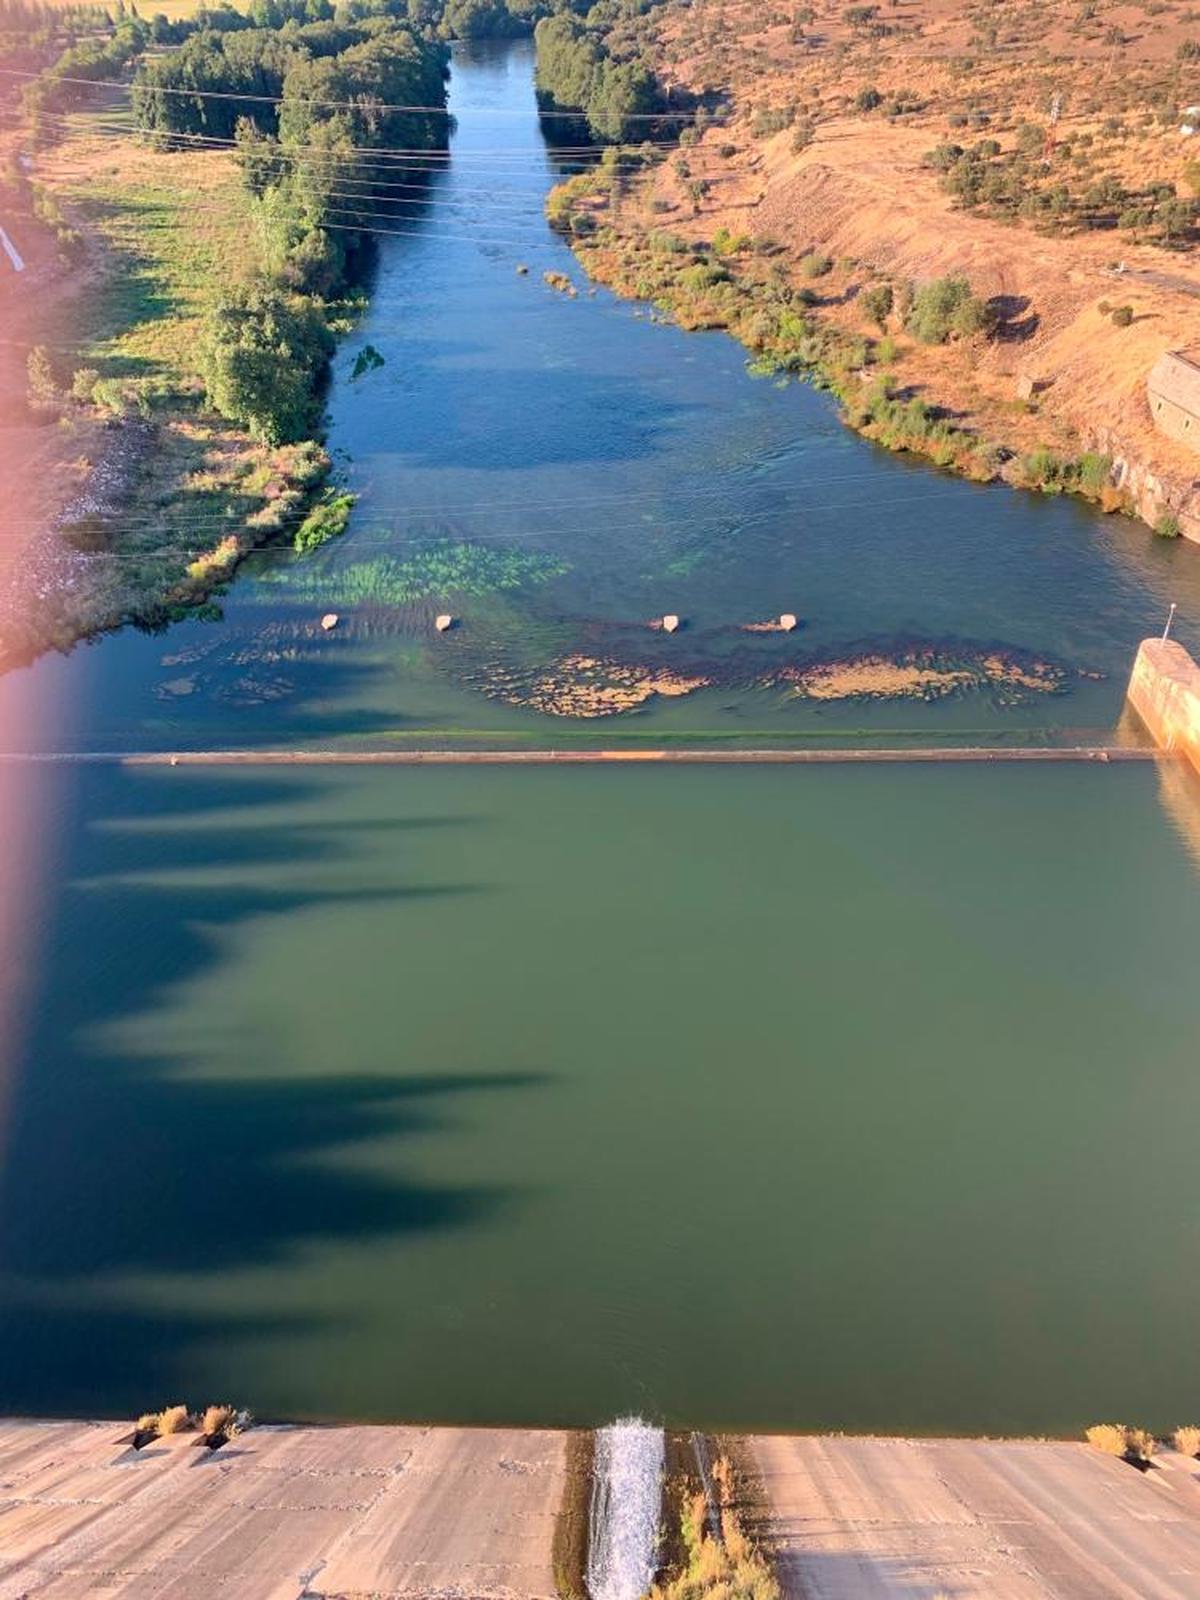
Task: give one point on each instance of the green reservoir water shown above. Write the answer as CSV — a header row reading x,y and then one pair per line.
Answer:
x,y
803,1098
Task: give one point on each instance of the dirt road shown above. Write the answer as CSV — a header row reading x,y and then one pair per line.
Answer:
x,y
390,1513
896,1519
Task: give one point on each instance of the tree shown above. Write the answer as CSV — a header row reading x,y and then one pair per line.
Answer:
x,y
261,353
877,302
945,306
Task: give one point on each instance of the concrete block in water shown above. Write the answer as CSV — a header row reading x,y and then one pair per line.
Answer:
x,y
1164,690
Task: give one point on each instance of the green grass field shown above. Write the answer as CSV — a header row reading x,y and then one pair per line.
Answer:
x,y
168,246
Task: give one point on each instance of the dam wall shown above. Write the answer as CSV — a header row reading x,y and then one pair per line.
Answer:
x,y
418,1513
1164,690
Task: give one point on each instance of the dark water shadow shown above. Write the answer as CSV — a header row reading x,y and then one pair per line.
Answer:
x,y
120,1162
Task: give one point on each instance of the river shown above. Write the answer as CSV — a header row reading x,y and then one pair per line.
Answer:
x,y
846,1098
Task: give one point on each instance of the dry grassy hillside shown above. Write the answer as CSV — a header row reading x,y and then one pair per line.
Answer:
x,y
1034,146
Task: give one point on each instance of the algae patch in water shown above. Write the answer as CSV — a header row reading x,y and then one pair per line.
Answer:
x,y
921,675
587,686
581,685
442,568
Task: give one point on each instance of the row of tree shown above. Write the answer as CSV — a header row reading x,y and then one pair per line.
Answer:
x,y
333,92
577,71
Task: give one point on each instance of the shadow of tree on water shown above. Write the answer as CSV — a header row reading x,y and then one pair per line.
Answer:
x,y
121,1163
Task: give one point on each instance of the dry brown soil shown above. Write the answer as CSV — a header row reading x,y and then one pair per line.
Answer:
x,y
861,194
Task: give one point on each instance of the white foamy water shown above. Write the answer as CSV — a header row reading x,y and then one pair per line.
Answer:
x,y
626,1503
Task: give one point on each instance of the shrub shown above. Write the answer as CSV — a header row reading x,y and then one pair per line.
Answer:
x,y
815,265
868,99
1167,526
43,390
943,156
1095,471
327,520
1108,1437
946,306
772,119
174,1419
1117,1439
1122,316
218,1420
877,303
1187,1440
83,384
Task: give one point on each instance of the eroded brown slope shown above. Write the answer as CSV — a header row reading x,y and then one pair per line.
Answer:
x,y
857,186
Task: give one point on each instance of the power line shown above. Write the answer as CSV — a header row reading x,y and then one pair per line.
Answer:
x,y
366,103
350,543
412,155
394,520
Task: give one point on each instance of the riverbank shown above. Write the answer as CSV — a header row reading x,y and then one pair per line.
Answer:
x,y
146,500
216,260
838,173
403,1513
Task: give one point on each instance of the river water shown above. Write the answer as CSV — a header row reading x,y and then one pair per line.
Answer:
x,y
848,1098
613,470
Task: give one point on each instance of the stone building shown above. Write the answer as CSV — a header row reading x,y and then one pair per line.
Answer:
x,y
1173,389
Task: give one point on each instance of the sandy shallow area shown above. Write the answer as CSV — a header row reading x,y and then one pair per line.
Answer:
x,y
903,1519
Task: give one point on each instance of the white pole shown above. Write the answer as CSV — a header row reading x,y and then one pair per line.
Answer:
x,y
1170,619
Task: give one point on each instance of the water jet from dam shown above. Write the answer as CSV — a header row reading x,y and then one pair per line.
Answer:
x,y
627,1481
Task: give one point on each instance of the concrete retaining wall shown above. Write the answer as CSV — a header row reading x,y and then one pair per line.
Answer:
x,y
1164,690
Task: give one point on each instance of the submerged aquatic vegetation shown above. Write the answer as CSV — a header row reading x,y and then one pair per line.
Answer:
x,y
589,686
327,520
442,568
578,684
368,360
921,674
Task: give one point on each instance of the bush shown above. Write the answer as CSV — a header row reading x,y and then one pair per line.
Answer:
x,y
1110,1437
772,119
327,520
815,265
174,1419
1139,1445
803,135
218,1421
1187,1440
868,99
946,306
43,390
877,303
1116,1439
83,384
1122,316
1167,526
